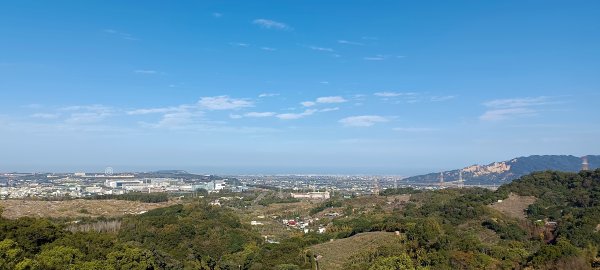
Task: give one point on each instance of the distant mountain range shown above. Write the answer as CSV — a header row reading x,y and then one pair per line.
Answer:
x,y
506,171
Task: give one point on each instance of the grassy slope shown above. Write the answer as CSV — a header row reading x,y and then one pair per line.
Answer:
x,y
338,252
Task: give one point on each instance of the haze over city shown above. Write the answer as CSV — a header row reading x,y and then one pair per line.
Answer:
x,y
295,87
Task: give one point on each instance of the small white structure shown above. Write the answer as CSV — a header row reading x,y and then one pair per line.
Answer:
x,y
312,195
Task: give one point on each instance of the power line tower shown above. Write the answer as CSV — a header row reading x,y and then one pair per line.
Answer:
x,y
461,181
442,180
585,165
376,185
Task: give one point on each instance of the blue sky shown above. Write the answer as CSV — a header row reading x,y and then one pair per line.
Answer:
x,y
390,87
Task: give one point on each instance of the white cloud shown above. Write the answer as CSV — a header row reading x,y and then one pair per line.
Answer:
x,y
178,120
270,24
362,120
388,94
308,103
293,116
87,114
321,49
223,103
503,114
350,42
503,109
239,44
381,57
329,109
217,14
268,49
332,99
259,114
264,95
159,110
519,102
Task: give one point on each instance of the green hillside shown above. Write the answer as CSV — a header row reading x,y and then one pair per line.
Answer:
x,y
445,229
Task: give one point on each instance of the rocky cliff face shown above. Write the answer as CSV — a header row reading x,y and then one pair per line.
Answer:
x,y
506,171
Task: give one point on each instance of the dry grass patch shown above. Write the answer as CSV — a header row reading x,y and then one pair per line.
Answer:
x,y
335,254
514,206
14,209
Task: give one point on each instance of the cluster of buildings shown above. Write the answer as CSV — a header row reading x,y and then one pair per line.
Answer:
x,y
164,185
311,195
346,184
77,185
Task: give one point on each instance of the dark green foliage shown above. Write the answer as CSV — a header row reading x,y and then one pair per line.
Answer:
x,y
327,204
399,191
506,230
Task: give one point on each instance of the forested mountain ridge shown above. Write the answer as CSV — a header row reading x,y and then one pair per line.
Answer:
x,y
505,171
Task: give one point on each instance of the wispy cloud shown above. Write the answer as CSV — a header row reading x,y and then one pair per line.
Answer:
x,y
146,71
217,14
321,49
119,34
178,120
519,102
239,44
329,109
362,120
270,24
411,97
87,113
324,100
503,109
46,115
259,114
293,116
394,94
441,98
331,99
224,103
503,114
381,57
159,110
347,42
268,49
264,95
308,103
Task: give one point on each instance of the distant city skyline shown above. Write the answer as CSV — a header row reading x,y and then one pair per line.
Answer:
x,y
384,87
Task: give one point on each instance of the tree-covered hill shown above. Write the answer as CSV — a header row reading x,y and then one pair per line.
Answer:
x,y
441,229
